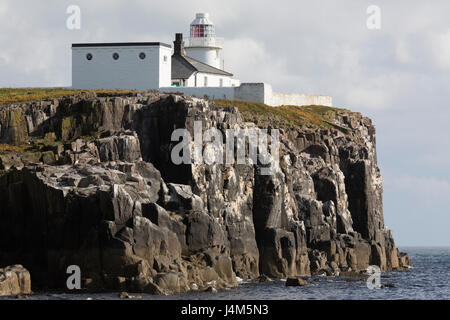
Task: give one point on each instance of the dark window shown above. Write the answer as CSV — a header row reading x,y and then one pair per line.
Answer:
x,y
115,56
142,55
89,56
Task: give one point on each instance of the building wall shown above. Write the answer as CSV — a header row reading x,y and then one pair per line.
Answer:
x,y
251,92
128,72
213,93
165,69
262,92
198,79
256,92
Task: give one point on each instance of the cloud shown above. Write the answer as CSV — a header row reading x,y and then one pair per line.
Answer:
x,y
377,92
440,49
3,8
257,64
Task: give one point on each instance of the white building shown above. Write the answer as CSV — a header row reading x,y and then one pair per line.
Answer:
x,y
150,65
190,72
140,66
195,69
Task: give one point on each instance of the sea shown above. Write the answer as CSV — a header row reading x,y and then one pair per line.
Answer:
x,y
428,279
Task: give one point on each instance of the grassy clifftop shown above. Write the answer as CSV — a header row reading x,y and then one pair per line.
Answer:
x,y
259,113
305,116
13,95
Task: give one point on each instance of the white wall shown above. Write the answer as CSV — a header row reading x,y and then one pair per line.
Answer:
x,y
165,69
214,93
251,92
128,72
210,56
256,92
262,92
198,79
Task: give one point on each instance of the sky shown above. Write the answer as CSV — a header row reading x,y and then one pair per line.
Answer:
x,y
398,75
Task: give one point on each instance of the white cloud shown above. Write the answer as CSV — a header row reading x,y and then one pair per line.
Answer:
x,y
3,8
440,49
251,61
377,92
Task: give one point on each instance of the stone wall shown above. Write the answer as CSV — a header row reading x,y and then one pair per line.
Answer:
x,y
213,93
255,92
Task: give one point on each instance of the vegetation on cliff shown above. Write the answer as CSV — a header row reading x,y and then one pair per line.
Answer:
x,y
14,95
260,113
285,116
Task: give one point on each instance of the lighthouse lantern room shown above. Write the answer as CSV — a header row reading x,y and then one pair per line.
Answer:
x,y
203,45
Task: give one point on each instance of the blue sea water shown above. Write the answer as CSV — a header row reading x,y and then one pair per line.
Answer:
x,y
428,279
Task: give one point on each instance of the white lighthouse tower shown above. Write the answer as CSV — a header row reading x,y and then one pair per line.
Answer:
x,y
203,45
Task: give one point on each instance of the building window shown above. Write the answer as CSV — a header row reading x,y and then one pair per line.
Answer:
x,y
221,82
206,81
115,56
165,58
89,56
142,55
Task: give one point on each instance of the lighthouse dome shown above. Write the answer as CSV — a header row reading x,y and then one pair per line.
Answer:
x,y
202,18
202,26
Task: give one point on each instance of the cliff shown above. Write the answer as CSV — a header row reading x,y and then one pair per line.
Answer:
x,y
89,181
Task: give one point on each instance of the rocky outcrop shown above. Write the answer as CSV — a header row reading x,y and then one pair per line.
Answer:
x,y
14,280
296,282
104,194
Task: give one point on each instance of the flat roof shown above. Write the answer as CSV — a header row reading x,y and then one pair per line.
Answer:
x,y
121,44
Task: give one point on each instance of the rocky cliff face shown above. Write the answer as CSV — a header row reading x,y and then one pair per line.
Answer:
x,y
91,183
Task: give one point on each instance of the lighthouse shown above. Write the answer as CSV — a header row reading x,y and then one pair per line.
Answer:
x,y
192,66
203,45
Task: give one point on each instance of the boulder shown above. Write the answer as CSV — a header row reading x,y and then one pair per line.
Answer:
x,y
14,280
296,282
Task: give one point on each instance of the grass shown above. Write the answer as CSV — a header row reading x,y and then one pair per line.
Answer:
x,y
37,145
261,114
284,116
4,148
14,95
